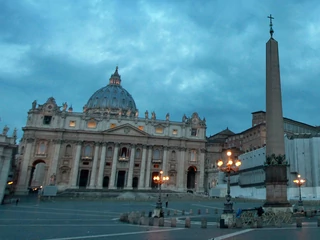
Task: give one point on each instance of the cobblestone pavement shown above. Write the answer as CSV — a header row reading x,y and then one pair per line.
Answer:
x,y
98,219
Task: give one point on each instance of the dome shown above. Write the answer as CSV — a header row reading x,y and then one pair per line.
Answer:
x,y
112,98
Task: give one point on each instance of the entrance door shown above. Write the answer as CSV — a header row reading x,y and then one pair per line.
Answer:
x,y
191,178
121,179
106,182
135,182
84,175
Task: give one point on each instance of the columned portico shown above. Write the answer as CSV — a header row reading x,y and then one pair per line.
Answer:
x,y
75,168
131,166
143,168
148,168
101,166
114,167
22,187
201,177
94,167
54,164
181,170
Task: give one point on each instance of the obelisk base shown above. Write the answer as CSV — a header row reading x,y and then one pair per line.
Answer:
x,y
276,195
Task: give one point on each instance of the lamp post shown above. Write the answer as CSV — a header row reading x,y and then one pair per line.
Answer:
x,y
228,167
158,212
299,182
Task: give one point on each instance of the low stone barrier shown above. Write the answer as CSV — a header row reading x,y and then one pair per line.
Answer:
x,y
161,222
203,223
187,223
173,222
299,222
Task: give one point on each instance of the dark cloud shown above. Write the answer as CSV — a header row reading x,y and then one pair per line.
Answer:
x,y
177,57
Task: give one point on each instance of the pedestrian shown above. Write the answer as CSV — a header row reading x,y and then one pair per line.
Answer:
x,y
167,204
17,201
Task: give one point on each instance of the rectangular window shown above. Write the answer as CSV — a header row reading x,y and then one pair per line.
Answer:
x,y
194,132
174,132
72,123
113,125
91,124
159,130
47,120
141,128
136,165
108,164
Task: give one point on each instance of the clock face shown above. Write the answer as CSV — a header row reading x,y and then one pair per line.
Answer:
x,y
195,121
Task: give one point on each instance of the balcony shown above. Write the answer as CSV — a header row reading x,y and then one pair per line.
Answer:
x,y
42,155
124,159
156,160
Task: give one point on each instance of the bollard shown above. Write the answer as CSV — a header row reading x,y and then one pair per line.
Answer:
x,y
168,213
141,221
151,221
318,222
187,223
207,211
173,222
190,211
182,213
199,211
203,223
238,223
161,222
155,221
299,222
216,211
259,222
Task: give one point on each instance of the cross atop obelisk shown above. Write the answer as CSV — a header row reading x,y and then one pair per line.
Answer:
x,y
271,30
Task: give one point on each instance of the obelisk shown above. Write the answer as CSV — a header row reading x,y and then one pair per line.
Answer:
x,y
276,167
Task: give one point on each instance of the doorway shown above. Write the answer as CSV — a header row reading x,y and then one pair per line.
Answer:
x,y
121,179
105,182
191,177
83,179
135,182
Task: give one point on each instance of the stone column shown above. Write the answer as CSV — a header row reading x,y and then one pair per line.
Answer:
x,y
101,166
131,166
143,168
201,177
148,168
22,186
164,164
93,176
55,158
114,167
75,167
46,178
181,170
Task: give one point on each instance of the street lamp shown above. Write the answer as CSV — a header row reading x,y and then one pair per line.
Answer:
x,y
158,212
299,182
228,167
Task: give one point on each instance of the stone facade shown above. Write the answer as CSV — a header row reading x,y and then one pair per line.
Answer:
x,y
109,145
8,149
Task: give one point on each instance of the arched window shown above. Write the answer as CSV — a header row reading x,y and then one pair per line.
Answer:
x,y
109,152
156,154
88,151
68,150
123,153
138,153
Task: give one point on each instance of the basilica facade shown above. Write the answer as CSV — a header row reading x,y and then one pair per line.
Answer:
x,y
110,145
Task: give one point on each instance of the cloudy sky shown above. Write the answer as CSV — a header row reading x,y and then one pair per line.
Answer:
x,y
175,56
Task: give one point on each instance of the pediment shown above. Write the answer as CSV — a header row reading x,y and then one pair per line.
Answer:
x,y
126,129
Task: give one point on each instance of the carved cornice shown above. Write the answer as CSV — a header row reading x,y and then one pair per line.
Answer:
x,y
30,140
57,141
